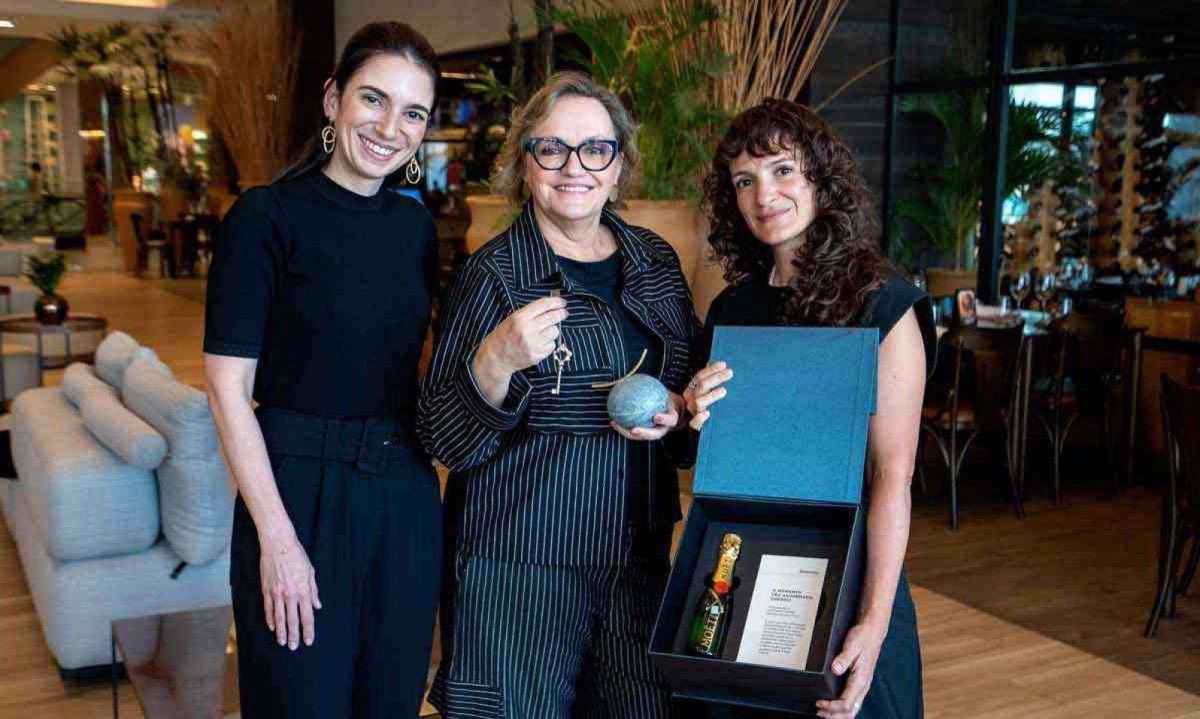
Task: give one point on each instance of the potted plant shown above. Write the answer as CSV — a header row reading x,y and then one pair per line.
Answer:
x,y
684,68
670,62
945,207
45,272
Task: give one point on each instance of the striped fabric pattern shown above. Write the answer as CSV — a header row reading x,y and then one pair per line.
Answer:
x,y
542,479
553,642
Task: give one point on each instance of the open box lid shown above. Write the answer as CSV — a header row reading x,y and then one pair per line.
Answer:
x,y
794,423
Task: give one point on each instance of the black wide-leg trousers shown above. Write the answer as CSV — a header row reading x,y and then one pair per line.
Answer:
x,y
365,504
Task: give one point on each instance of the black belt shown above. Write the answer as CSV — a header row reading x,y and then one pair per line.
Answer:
x,y
374,445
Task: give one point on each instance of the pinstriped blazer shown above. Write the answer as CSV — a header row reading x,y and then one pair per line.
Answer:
x,y
543,478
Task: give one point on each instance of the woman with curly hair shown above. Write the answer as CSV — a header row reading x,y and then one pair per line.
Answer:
x,y
793,228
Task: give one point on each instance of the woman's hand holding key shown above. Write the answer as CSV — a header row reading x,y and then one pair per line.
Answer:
x,y
523,339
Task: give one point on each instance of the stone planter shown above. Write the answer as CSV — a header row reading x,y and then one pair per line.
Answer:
x,y
490,215
684,227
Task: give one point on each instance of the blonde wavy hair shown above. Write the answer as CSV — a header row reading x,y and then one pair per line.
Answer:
x,y
508,176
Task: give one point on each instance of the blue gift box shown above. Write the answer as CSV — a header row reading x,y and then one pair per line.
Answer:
x,y
780,463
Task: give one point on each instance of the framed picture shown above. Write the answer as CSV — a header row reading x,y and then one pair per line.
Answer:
x,y
964,307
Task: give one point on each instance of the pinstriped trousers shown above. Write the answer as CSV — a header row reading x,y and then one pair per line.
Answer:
x,y
551,642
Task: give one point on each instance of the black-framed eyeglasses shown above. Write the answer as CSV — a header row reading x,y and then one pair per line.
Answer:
x,y
551,153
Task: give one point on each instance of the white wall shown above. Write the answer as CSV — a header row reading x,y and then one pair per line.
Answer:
x,y
450,25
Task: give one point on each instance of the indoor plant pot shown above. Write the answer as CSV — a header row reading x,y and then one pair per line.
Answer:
x,y
45,272
50,309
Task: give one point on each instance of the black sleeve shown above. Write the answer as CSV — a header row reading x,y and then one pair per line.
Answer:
x,y
891,301
241,278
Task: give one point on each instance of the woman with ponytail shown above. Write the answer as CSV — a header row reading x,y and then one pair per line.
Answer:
x,y
319,298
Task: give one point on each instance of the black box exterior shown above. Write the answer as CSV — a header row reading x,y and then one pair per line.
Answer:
x,y
721,680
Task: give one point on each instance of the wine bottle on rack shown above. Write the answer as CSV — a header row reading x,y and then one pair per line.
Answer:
x,y
710,621
1152,165
1156,141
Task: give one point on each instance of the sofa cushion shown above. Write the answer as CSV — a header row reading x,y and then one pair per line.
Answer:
x,y
84,501
79,380
122,431
195,494
115,353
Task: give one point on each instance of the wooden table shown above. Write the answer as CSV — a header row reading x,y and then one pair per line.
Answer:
x,y
29,325
1161,319
181,665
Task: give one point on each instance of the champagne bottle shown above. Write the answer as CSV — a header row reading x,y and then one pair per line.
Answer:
x,y
710,621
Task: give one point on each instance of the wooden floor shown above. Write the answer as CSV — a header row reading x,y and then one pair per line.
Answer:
x,y
987,653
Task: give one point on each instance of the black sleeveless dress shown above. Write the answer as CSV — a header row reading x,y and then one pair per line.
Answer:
x,y
896,691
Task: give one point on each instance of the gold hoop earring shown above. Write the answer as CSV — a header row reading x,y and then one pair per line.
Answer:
x,y
412,173
328,138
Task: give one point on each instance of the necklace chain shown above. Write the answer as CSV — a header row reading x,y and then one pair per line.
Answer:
x,y
772,279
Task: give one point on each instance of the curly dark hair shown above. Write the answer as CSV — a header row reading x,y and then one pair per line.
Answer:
x,y
839,263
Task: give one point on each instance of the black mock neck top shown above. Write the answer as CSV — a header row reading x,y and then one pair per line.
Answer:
x,y
330,290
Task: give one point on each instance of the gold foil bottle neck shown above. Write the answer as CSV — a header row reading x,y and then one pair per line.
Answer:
x,y
731,547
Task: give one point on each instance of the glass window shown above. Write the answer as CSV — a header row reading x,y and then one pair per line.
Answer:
x,y
1044,171
937,178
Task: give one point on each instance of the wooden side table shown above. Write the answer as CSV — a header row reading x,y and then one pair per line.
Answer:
x,y
29,325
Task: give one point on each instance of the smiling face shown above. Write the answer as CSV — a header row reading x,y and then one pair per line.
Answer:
x,y
379,120
573,193
776,200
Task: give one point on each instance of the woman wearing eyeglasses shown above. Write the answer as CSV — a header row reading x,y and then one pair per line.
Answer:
x,y
561,520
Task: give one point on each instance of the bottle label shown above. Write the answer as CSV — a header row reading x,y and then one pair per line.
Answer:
x,y
707,624
723,575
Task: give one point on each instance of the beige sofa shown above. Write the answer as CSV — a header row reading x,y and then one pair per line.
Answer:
x,y
122,506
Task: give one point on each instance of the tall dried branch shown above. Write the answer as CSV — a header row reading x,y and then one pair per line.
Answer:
x,y
251,90
773,46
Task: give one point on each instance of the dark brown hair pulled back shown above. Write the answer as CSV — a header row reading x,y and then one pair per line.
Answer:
x,y
376,38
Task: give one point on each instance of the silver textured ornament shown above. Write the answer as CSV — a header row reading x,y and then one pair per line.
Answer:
x,y
634,400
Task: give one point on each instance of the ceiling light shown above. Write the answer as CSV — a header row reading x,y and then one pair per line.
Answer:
x,y
7,23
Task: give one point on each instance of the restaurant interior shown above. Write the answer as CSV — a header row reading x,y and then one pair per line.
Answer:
x,y
1035,168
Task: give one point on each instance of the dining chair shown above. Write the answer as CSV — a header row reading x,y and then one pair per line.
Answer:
x,y
1181,499
983,391
1084,371
151,244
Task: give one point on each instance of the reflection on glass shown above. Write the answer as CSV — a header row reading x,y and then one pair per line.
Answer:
x,y
1046,196
938,168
